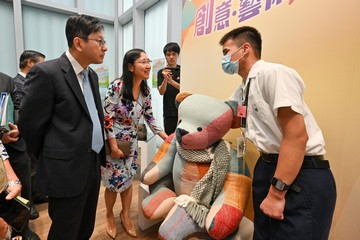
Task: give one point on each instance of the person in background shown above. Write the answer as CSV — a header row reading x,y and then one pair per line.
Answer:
x,y
127,100
13,188
294,190
169,86
61,120
28,59
16,148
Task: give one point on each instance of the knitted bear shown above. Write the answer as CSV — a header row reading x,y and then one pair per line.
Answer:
x,y
197,181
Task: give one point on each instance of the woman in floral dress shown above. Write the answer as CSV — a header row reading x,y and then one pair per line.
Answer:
x,y
126,101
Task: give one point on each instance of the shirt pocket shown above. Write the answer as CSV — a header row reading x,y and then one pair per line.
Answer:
x,y
258,107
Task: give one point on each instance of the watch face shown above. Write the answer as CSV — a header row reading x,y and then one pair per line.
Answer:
x,y
279,185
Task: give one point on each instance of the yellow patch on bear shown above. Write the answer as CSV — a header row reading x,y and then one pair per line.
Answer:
x,y
237,190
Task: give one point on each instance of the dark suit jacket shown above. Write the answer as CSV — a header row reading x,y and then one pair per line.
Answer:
x,y
57,127
19,82
7,85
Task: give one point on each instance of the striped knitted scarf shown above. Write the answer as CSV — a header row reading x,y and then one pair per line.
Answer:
x,y
205,191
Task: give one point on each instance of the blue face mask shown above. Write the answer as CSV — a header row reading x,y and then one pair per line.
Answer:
x,y
228,66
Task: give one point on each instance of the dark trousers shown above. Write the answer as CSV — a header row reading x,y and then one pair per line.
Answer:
x,y
308,213
20,162
74,218
34,164
170,124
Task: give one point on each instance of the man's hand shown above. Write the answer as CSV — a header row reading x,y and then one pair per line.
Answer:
x,y
12,135
167,74
274,204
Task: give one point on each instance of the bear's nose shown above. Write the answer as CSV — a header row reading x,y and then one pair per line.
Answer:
x,y
181,132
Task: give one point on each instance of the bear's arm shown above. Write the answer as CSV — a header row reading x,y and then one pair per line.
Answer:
x,y
162,163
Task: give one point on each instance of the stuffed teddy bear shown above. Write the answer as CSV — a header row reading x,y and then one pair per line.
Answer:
x,y
197,181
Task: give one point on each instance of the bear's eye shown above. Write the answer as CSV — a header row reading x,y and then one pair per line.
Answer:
x,y
179,121
199,129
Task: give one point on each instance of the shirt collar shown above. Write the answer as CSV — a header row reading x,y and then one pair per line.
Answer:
x,y
22,74
75,64
254,70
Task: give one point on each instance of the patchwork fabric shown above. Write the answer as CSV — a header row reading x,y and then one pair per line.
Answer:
x,y
180,226
153,201
225,221
199,169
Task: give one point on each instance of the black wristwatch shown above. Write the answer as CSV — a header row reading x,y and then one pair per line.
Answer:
x,y
279,184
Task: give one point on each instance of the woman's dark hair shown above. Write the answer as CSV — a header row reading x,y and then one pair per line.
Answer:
x,y
81,26
130,57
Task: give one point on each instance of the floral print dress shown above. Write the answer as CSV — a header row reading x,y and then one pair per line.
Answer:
x,y
121,118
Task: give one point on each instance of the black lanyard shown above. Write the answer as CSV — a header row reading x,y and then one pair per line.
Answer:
x,y
243,120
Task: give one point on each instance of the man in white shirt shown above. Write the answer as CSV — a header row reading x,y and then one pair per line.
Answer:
x,y
294,190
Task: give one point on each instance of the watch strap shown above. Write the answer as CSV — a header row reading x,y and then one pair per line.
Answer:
x,y
13,182
281,186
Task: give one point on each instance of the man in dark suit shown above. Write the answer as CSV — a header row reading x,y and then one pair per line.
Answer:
x,y
27,60
16,148
57,121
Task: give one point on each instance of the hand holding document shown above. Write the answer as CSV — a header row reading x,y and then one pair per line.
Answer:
x,y
6,111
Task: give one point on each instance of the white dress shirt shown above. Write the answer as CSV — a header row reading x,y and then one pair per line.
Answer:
x,y
273,86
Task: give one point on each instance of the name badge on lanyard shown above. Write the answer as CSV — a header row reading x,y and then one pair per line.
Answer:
x,y
242,109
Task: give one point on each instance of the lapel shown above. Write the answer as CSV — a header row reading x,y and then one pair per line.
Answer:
x,y
73,82
19,76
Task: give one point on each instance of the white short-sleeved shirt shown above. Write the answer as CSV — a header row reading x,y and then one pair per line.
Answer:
x,y
273,86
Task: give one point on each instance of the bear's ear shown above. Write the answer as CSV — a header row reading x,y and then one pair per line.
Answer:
x,y
234,107
180,97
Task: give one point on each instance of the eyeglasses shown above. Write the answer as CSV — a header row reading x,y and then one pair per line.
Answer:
x,y
148,62
101,42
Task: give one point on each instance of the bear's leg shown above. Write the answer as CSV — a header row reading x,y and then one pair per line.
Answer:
x,y
179,225
158,204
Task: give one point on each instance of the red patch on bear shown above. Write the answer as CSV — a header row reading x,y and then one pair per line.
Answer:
x,y
222,225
